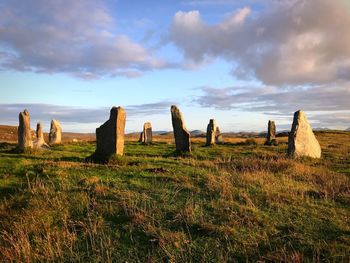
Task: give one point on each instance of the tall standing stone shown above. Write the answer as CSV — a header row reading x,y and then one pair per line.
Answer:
x,y
271,133
146,135
211,132
218,136
110,135
55,135
301,140
40,141
182,136
24,132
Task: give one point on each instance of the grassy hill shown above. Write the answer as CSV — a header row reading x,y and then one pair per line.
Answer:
x,y
237,202
9,134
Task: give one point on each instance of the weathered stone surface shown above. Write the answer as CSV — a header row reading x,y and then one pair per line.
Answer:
x,y
55,135
141,138
182,136
146,136
110,135
271,134
218,136
271,130
301,140
211,132
40,141
24,132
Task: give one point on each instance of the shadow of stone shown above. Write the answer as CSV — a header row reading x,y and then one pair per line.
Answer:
x,y
7,191
147,143
179,154
273,142
19,155
98,158
7,146
70,159
10,148
106,159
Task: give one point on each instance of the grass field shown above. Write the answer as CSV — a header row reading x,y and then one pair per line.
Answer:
x,y
236,202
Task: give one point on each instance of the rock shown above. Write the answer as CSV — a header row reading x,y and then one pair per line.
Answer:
x,y
146,135
301,140
211,133
40,141
181,135
141,137
271,131
271,134
24,132
218,136
110,135
55,135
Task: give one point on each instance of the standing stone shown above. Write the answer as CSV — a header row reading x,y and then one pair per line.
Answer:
x,y
218,136
141,137
301,140
110,135
55,136
182,136
24,132
271,133
40,142
211,132
147,133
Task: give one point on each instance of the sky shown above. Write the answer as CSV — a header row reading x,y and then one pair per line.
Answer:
x,y
239,62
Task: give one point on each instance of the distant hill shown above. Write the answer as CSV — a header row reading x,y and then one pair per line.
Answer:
x,y
133,134
322,129
9,134
160,132
243,134
348,129
282,134
197,133
166,133
194,133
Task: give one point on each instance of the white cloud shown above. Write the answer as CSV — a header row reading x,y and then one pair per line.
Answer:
x,y
76,37
292,43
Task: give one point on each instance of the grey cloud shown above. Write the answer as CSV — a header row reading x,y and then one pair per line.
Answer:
x,y
338,119
289,43
75,37
219,2
150,108
334,97
329,104
46,112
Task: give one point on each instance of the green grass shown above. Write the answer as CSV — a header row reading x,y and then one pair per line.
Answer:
x,y
228,203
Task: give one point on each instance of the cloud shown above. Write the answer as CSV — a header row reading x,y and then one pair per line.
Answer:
x,y
269,98
340,119
162,107
217,2
46,112
291,43
328,104
75,37
77,115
